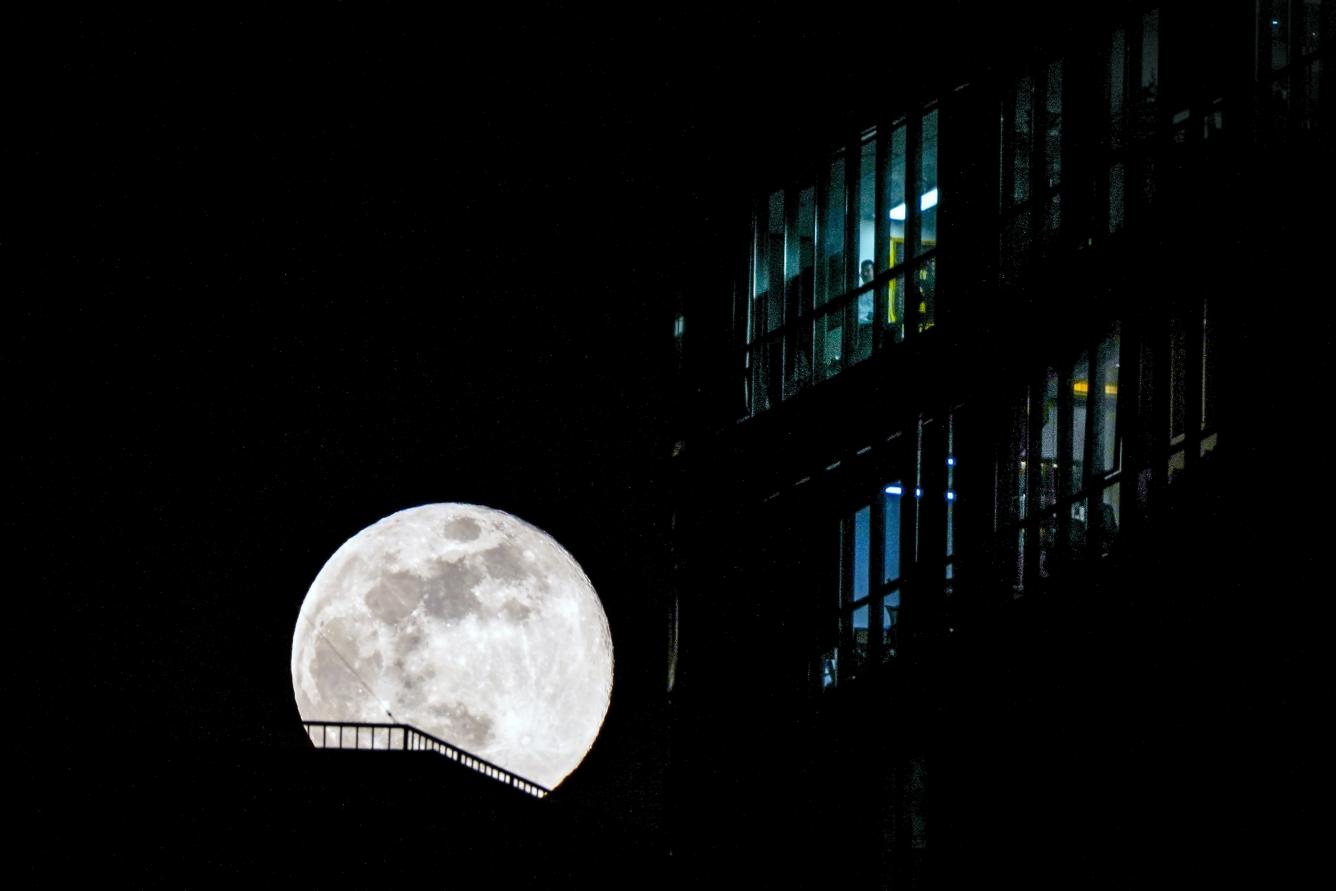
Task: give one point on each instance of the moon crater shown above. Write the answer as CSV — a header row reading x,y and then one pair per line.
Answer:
x,y
467,623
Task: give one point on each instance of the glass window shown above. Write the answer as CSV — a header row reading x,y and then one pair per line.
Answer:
x,y
895,197
867,209
895,307
1048,539
829,345
926,283
760,275
1178,379
1150,55
802,254
1053,125
1107,457
860,320
855,532
927,183
890,621
1022,140
950,492
1013,475
771,254
859,627
1117,80
1109,519
1311,37
1048,442
1150,72
1081,399
1278,31
1117,200
894,494
862,531
831,279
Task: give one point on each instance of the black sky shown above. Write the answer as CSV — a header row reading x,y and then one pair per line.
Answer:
x,y
273,277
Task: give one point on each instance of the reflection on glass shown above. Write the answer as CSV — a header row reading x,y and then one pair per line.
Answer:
x,y
1048,441
1080,401
1311,37
1015,242
829,668
1117,197
1110,517
1077,529
797,357
802,254
828,345
1048,540
831,280
950,490
859,317
893,499
927,293
760,274
860,630
862,551
1053,125
926,192
1177,461
772,371
1117,88
1277,27
890,616
1150,54
1178,374
1106,401
895,308
1022,140
1015,553
867,205
772,312
1310,111
1013,499
895,197
1150,72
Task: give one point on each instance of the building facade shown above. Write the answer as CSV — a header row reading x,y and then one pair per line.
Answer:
x,y
990,565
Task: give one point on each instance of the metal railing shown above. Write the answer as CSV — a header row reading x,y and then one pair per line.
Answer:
x,y
406,738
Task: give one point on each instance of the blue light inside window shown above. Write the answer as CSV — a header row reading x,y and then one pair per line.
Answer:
x,y
894,490
918,493
950,460
950,496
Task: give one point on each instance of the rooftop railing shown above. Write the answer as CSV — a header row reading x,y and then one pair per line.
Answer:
x,y
406,738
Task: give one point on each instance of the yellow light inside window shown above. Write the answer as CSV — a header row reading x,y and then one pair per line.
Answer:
x,y
1082,388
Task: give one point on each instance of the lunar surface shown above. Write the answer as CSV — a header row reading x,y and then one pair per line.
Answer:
x,y
467,623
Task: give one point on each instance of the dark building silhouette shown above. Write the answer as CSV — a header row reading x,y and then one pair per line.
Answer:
x,y
994,542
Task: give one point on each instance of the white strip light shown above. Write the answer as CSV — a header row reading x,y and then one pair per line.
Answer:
x,y
927,202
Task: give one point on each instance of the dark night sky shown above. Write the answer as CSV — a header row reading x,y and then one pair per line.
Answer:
x,y
279,277
271,279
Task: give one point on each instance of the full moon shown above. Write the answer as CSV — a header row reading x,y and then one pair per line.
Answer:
x,y
467,623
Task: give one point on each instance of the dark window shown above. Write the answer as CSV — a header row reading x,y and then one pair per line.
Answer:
x,y
1063,446
1030,165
